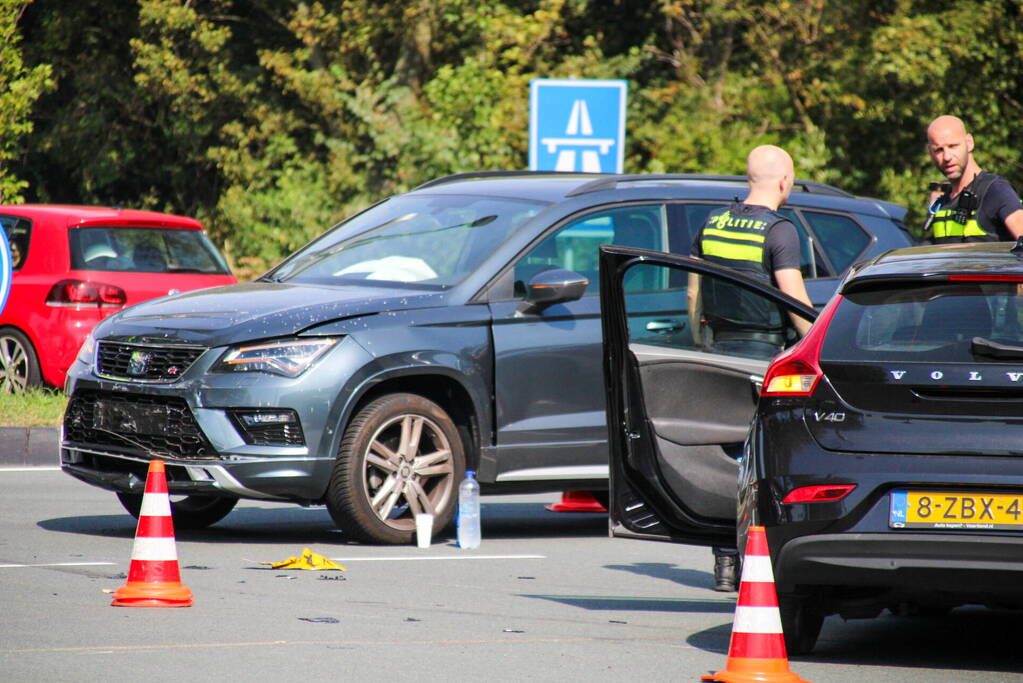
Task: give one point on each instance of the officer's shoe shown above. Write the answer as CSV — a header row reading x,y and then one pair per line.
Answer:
x,y
726,572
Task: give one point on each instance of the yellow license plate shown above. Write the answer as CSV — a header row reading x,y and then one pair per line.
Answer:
x,y
955,510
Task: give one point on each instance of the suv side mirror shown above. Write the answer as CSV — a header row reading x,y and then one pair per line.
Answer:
x,y
554,286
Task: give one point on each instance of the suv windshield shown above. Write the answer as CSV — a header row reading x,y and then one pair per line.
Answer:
x,y
144,250
433,241
933,322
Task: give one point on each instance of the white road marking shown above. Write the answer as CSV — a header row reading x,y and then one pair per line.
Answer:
x,y
59,564
415,558
29,469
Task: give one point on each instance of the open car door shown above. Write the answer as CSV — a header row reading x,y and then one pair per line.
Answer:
x,y
680,400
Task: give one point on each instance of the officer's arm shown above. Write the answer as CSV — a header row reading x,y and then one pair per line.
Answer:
x,y
790,281
1014,222
695,306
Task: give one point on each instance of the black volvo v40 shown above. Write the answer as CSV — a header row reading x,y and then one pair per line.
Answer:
x,y
883,452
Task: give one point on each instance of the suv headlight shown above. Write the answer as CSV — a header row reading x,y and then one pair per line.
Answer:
x,y
87,353
287,357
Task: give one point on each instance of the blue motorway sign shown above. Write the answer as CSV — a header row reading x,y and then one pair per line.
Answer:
x,y
577,125
5,269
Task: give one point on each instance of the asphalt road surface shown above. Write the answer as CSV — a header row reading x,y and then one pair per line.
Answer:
x,y
547,597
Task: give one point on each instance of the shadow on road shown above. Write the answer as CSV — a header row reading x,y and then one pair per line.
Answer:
x,y
627,603
968,639
275,523
669,572
533,520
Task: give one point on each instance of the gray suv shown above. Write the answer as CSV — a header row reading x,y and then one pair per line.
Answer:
x,y
455,326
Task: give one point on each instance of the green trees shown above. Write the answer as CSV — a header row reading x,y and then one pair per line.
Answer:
x,y
272,119
20,87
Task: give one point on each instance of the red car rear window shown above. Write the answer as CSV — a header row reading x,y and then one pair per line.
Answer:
x,y
144,250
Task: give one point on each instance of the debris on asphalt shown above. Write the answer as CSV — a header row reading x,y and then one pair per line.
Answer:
x,y
307,560
320,620
513,630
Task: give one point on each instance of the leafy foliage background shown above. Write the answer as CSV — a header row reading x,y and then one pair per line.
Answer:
x,y
271,120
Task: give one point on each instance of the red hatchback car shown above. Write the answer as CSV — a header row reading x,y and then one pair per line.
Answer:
x,y
75,265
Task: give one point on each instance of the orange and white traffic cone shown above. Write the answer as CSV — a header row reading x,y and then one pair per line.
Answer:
x,y
577,501
153,578
756,653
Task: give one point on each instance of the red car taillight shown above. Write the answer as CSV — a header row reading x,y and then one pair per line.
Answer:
x,y
819,494
81,293
795,372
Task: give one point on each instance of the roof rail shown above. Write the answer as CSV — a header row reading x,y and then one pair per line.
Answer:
x,y
610,182
495,174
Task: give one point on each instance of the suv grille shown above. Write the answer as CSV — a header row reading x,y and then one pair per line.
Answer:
x,y
157,364
157,425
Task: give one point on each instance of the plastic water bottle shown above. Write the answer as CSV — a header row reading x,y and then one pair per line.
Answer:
x,y
469,512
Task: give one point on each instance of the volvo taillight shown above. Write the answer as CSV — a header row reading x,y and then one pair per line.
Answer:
x,y
81,293
795,372
825,493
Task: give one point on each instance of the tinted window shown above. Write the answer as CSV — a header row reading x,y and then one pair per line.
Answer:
x,y
688,218
574,247
145,250
18,231
429,240
729,320
928,323
840,238
810,263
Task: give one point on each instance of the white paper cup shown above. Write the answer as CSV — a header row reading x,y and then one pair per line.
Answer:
x,y
424,529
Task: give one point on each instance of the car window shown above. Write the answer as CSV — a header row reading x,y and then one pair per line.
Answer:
x,y
433,241
574,246
18,230
730,320
145,250
934,322
841,238
686,221
811,265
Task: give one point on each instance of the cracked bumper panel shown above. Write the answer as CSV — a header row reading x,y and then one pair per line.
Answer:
x,y
113,429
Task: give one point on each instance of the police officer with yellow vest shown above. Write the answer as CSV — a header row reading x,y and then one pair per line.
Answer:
x,y
976,205
751,237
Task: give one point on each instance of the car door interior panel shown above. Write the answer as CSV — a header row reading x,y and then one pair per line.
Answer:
x,y
698,404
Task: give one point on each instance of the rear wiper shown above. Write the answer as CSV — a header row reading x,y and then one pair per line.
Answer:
x,y
985,347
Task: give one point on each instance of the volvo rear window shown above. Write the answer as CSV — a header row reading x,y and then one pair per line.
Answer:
x,y
144,250
932,322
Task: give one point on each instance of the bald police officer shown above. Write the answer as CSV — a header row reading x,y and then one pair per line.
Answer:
x,y
977,206
751,237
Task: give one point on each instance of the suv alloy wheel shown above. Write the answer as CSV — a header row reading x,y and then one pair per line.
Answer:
x,y
401,455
